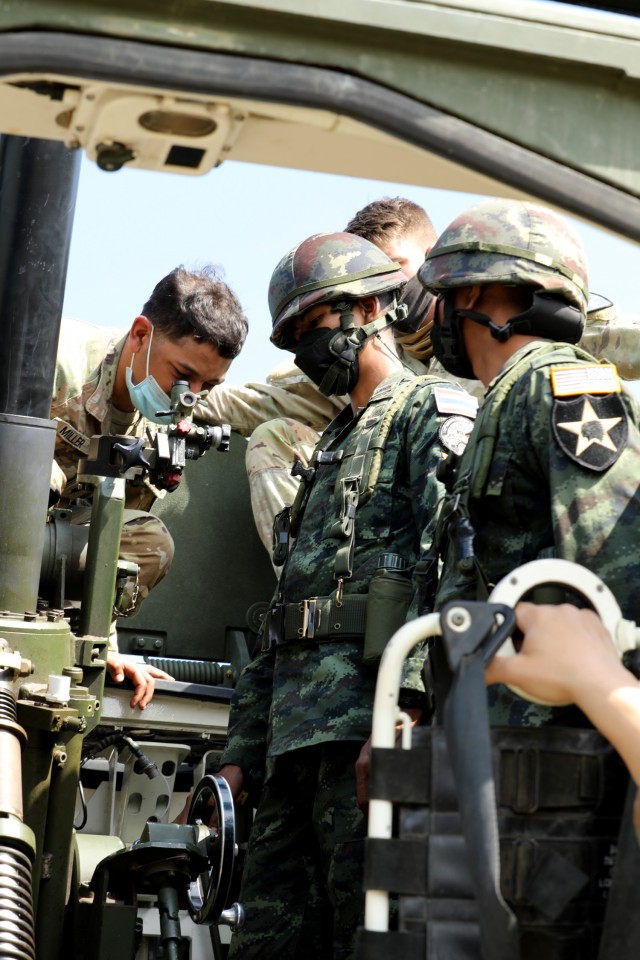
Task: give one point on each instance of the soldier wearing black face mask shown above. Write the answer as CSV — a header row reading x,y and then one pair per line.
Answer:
x,y
362,521
551,469
285,416
300,412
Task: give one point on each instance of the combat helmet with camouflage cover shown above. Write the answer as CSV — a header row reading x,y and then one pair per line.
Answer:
x,y
339,268
324,267
510,242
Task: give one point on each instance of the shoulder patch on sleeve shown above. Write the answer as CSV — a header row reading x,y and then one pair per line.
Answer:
x,y
72,437
592,378
455,402
592,431
454,433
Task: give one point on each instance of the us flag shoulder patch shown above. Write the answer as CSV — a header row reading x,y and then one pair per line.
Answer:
x,y
593,378
592,431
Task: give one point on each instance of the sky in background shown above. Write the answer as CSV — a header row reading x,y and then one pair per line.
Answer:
x,y
132,227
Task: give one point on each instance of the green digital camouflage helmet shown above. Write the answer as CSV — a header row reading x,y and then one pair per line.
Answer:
x,y
511,242
326,267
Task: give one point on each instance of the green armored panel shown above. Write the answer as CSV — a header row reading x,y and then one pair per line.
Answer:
x,y
484,96
221,579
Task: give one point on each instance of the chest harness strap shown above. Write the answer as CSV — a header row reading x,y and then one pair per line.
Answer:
x,y
455,529
357,476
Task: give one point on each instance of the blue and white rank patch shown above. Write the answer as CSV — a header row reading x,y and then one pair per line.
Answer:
x,y
593,378
593,431
455,402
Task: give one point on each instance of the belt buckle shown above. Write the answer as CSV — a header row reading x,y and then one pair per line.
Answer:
x,y
308,609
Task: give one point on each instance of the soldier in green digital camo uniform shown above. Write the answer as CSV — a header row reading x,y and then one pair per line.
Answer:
x,y
552,469
368,503
285,416
115,382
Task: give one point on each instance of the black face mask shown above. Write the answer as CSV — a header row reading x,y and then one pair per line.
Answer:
x,y
447,340
418,300
329,359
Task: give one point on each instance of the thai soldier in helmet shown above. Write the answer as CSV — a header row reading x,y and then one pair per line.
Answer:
x,y
552,469
286,415
365,512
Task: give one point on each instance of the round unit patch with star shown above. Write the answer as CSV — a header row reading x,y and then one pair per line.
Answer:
x,y
454,433
593,431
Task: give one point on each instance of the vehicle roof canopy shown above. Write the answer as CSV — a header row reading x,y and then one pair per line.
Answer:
x,y
533,100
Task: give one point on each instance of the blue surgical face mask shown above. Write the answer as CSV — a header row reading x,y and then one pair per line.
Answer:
x,y
148,396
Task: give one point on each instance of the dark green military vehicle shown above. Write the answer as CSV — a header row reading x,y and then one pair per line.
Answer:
x,y
530,99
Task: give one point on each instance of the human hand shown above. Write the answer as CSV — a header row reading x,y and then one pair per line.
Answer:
x,y
234,777
142,675
57,483
362,776
564,651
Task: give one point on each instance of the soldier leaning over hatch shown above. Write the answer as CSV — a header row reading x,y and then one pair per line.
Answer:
x,y
108,382
365,512
552,469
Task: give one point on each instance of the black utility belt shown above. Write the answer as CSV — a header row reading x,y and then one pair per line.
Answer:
x,y
319,619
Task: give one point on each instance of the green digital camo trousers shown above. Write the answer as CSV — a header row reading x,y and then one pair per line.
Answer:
x,y
302,884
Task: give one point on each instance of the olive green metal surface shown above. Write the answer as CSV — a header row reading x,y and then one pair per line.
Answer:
x,y
562,85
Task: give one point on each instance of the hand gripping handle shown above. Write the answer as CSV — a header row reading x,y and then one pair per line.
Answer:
x,y
582,582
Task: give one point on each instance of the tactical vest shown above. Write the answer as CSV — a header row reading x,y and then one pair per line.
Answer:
x,y
560,794
342,616
468,477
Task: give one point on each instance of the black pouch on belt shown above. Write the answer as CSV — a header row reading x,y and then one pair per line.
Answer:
x,y
388,601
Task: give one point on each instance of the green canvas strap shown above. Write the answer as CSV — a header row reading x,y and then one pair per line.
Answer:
x,y
486,434
359,472
470,484
343,419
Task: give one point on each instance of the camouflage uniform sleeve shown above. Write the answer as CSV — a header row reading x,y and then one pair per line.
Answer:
x,y
423,451
246,745
287,393
595,513
617,340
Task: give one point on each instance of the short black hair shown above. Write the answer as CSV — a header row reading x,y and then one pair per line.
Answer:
x,y
197,303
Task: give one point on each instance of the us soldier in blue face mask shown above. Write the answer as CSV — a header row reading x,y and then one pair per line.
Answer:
x,y
107,382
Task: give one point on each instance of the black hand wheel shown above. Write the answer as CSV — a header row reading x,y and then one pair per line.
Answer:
x,y
212,801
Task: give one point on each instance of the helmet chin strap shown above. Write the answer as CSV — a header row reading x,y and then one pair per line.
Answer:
x,y
501,334
547,317
357,335
349,341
